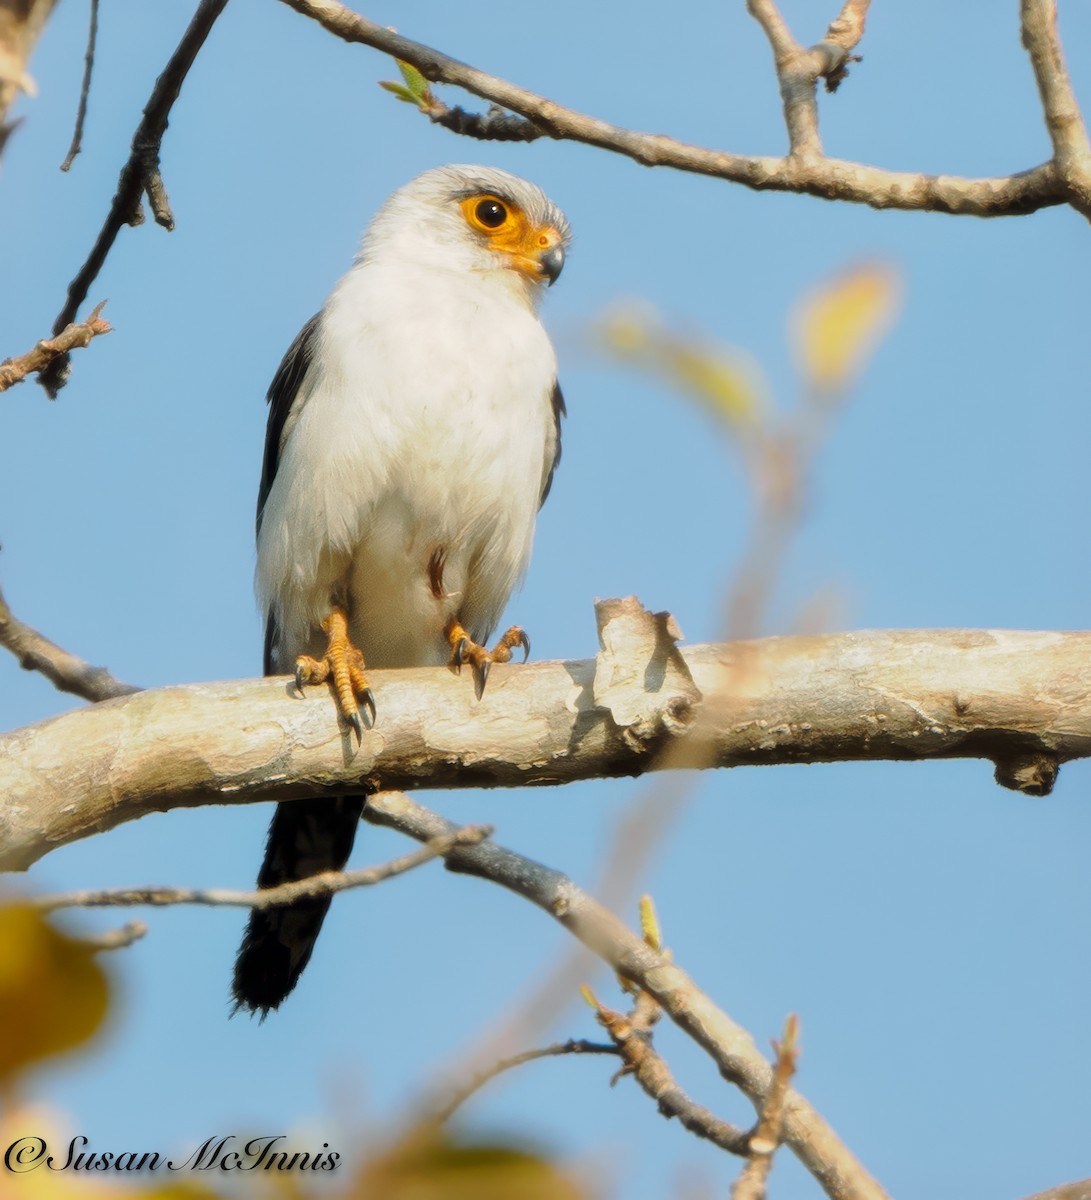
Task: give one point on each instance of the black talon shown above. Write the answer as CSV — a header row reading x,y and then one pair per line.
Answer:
x,y
482,678
299,683
460,652
369,703
357,724
524,641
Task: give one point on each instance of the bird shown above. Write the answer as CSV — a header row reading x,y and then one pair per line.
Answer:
x,y
413,432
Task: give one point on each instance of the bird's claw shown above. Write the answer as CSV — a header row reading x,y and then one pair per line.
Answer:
x,y
465,649
343,665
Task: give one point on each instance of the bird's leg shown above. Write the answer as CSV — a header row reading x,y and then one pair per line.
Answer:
x,y
343,664
465,649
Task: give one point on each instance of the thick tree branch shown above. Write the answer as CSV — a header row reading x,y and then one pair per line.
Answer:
x,y
1020,699
831,179
65,671
729,1045
76,335
139,176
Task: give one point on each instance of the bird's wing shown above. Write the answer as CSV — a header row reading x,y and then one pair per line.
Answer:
x,y
281,398
559,410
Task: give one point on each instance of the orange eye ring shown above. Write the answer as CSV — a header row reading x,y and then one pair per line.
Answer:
x,y
488,213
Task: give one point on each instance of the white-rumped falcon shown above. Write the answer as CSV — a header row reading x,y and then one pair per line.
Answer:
x,y
414,427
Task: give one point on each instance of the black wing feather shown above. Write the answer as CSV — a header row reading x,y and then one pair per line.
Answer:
x,y
559,411
281,398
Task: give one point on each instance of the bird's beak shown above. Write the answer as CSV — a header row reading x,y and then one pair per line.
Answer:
x,y
551,262
537,252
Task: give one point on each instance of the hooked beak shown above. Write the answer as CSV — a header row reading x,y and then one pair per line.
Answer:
x,y
551,262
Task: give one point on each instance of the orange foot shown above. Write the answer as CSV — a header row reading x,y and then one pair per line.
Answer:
x,y
465,649
343,664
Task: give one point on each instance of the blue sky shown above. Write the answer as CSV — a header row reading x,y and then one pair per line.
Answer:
x,y
931,930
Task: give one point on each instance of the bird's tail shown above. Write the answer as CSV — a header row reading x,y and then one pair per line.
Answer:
x,y
306,836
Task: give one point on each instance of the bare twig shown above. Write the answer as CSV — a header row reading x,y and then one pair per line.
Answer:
x,y
324,884
74,336
842,37
85,90
1007,696
116,939
751,1182
730,1047
496,125
1067,132
463,1093
138,177
64,670
631,1035
832,179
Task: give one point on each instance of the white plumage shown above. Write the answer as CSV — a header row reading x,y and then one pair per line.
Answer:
x,y
413,431
425,421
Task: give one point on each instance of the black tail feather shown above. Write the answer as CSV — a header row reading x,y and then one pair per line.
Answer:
x,y
306,836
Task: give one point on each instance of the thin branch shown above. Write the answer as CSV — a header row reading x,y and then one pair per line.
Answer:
x,y
1017,698
1067,132
64,670
752,1181
730,1046
140,176
831,179
85,90
478,1081
46,352
834,52
116,939
496,125
326,883
631,1035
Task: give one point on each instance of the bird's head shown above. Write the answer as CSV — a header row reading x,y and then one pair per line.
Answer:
x,y
473,219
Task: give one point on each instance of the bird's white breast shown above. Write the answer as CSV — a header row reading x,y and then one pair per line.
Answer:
x,y
423,429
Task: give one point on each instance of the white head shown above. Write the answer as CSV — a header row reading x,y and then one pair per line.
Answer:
x,y
471,219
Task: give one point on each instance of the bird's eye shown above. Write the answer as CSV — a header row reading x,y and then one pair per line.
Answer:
x,y
491,213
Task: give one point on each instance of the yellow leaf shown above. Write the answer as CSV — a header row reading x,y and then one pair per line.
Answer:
x,y
53,995
721,378
839,324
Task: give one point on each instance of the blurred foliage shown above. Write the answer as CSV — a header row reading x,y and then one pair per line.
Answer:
x,y
54,997
839,324
722,379
429,1165
834,330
